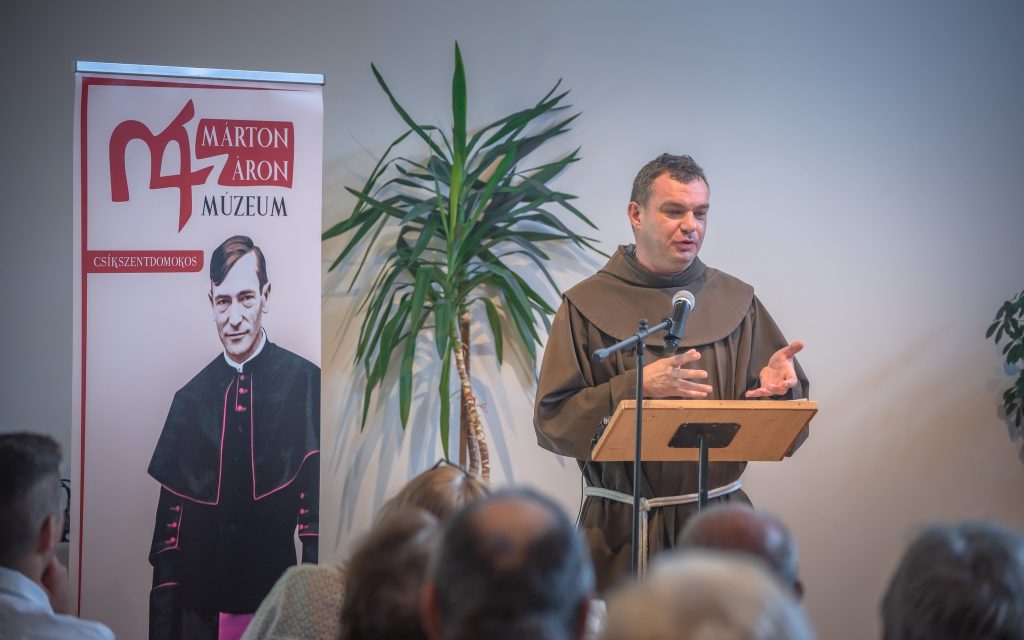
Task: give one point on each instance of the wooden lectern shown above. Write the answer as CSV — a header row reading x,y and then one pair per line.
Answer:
x,y
697,430
739,430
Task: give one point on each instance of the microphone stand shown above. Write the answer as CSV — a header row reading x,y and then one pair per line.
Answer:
x,y
601,354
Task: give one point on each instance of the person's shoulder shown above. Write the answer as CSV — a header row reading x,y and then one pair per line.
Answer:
x,y
305,602
588,286
88,629
719,280
285,359
316,576
596,284
205,376
309,586
56,625
723,303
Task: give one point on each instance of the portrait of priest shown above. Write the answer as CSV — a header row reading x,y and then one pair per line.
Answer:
x,y
238,465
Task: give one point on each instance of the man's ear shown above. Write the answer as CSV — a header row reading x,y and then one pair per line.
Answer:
x,y
633,213
430,610
46,538
266,297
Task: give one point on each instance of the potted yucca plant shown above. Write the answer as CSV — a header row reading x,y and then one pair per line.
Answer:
x,y
465,210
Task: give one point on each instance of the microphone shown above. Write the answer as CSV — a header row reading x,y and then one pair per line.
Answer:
x,y
682,303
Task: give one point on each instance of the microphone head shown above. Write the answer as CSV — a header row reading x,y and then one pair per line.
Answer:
x,y
684,295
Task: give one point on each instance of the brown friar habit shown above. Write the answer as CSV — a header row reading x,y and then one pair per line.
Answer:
x,y
728,326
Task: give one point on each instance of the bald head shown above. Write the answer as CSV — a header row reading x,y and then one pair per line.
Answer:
x,y
510,565
508,530
741,529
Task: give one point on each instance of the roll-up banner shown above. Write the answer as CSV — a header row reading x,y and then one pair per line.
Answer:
x,y
196,378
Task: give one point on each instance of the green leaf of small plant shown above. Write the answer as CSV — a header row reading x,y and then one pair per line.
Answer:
x,y
1008,324
991,330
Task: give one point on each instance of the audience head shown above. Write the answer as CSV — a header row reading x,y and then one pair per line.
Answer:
x,y
384,581
30,498
739,528
698,595
964,582
510,565
441,490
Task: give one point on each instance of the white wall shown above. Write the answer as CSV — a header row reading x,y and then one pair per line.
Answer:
x,y
864,167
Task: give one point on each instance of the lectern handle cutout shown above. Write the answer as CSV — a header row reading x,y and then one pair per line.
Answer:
x,y
718,435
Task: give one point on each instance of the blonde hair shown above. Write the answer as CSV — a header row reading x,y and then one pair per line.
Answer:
x,y
441,491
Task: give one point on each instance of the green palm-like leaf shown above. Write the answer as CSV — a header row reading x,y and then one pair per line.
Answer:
x,y
444,391
1009,324
494,320
468,216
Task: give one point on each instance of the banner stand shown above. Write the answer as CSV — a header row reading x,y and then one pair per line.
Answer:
x,y
196,314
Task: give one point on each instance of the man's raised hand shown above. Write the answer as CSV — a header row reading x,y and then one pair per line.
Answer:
x,y
779,375
58,589
669,378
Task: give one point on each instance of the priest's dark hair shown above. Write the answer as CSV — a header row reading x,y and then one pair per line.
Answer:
x,y
680,168
29,491
500,575
231,251
958,582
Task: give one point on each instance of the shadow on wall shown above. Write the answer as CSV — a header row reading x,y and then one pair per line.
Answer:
x,y
380,443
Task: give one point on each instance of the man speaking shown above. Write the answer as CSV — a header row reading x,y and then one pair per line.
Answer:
x,y
732,350
238,465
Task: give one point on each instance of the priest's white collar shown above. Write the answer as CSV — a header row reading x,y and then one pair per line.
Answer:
x,y
238,367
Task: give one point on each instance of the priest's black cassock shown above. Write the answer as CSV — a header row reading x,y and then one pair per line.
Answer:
x,y
238,465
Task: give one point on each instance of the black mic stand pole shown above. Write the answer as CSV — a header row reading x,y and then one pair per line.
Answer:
x,y
599,355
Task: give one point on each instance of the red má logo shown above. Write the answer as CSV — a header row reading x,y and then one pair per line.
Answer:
x,y
259,153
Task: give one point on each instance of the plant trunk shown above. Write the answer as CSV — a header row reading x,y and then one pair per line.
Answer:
x,y
463,417
476,442
468,445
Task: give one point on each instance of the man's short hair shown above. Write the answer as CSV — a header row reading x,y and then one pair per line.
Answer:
x,y
385,578
740,528
29,490
231,251
498,583
706,594
680,168
958,582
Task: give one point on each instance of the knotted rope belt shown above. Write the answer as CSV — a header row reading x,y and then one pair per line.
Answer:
x,y
646,504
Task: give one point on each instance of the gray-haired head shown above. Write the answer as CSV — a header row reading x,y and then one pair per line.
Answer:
x,y
511,565
697,595
960,582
